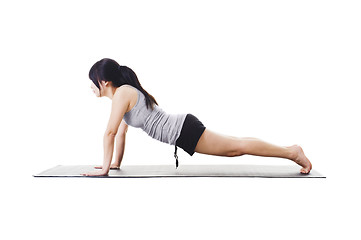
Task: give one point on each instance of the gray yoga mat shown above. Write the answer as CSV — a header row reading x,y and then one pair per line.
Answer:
x,y
146,171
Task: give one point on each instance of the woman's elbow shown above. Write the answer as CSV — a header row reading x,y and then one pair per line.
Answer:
x,y
123,129
122,133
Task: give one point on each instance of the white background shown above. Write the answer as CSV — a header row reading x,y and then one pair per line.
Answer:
x,y
286,72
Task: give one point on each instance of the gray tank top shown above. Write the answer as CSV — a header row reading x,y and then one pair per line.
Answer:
x,y
156,123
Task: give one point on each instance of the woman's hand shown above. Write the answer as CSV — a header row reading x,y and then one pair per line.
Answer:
x,y
95,173
112,166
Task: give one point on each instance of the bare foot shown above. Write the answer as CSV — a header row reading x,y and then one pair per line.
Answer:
x,y
301,159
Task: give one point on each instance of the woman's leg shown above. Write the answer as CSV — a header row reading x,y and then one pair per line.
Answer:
x,y
220,145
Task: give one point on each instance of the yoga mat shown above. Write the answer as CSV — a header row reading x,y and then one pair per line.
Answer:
x,y
146,171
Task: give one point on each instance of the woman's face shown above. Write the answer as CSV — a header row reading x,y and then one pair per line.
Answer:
x,y
95,89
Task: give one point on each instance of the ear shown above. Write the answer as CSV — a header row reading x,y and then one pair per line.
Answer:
x,y
103,83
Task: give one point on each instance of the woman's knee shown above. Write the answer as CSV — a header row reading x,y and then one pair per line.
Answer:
x,y
236,150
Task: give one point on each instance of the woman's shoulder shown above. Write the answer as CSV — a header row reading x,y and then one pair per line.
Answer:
x,y
128,94
126,89
125,93
126,86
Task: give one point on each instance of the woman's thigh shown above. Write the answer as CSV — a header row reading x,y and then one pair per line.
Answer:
x,y
219,145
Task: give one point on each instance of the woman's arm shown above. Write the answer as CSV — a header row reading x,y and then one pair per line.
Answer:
x,y
120,104
120,144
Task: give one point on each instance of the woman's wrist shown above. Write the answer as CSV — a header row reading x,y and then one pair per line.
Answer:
x,y
117,163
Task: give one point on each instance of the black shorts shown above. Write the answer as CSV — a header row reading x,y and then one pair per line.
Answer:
x,y
191,131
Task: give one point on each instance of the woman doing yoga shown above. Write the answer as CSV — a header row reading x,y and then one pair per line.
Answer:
x,y
132,105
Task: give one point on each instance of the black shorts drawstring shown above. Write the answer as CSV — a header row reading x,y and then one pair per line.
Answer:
x,y
176,157
190,134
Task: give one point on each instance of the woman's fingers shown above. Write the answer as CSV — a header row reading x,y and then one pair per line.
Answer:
x,y
111,167
97,173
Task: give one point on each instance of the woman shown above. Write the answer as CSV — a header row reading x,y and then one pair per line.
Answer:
x,y
132,105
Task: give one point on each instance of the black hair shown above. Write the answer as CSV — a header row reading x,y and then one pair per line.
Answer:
x,y
110,71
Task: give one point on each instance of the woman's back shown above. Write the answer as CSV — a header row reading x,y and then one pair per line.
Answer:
x,y
155,122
